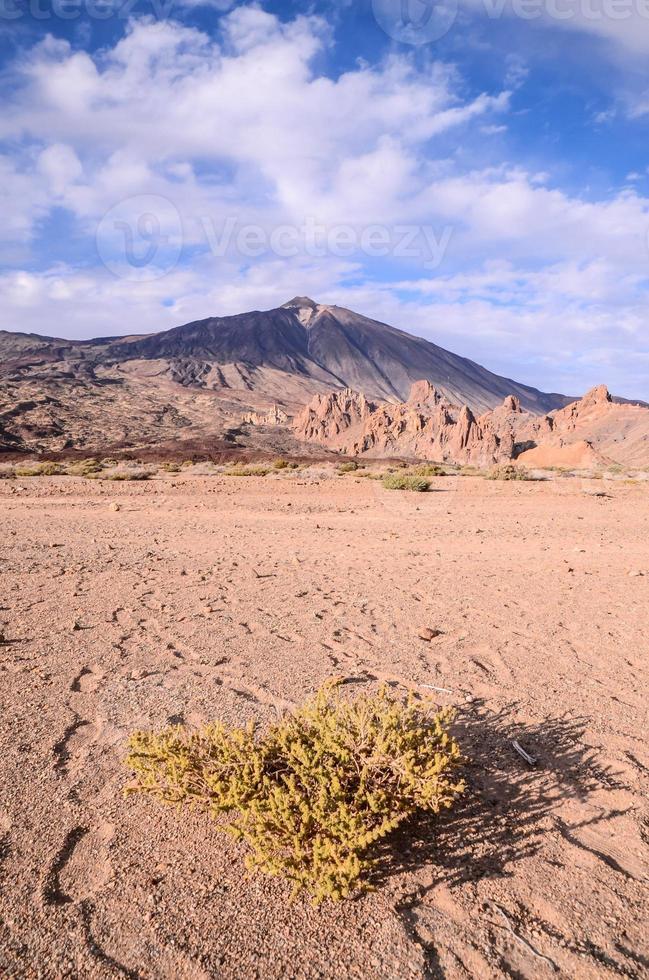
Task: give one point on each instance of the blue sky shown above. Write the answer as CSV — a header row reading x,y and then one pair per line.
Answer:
x,y
486,186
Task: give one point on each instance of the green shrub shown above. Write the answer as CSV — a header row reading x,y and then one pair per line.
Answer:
x,y
313,795
507,471
398,481
284,464
349,467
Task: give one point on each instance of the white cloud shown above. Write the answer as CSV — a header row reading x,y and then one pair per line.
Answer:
x,y
167,96
248,128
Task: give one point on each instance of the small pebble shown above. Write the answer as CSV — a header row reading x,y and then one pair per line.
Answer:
x,y
428,634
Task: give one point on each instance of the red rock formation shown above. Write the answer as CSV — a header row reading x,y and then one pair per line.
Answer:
x,y
427,426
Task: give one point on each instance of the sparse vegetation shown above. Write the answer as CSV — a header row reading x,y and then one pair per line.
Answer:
x,y
84,467
284,464
247,471
46,468
120,475
350,466
507,471
313,795
404,481
429,469
370,475
169,467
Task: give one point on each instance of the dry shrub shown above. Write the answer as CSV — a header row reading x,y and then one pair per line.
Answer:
x,y
46,468
120,475
84,467
247,471
322,786
348,467
397,481
507,471
429,469
284,464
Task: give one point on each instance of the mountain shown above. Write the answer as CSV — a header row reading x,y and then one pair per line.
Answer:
x,y
329,345
199,381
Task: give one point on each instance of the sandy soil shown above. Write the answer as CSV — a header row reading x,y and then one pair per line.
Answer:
x,y
195,598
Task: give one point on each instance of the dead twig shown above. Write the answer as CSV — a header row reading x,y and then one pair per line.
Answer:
x,y
523,942
523,754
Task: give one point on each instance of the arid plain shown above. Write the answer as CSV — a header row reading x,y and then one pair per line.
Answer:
x,y
187,597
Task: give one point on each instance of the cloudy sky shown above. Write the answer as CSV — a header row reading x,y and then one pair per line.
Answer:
x,y
474,171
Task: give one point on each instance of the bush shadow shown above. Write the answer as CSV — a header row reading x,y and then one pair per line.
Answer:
x,y
505,812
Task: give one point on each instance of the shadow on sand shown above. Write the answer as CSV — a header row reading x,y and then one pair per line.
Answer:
x,y
509,805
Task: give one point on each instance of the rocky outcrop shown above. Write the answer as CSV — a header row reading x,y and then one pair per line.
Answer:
x,y
426,426
592,431
274,416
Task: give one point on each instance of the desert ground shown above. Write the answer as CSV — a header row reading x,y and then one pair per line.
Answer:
x,y
186,598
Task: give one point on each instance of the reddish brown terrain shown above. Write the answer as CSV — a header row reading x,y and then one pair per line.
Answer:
x,y
186,598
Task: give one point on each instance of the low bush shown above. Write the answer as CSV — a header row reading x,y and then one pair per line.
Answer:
x,y
312,796
370,475
348,467
402,481
507,471
429,469
83,467
284,464
247,471
171,467
120,475
39,469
